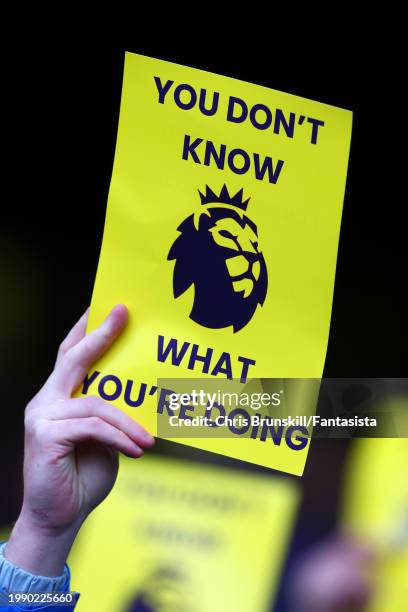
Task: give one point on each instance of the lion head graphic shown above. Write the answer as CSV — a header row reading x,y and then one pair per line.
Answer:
x,y
218,252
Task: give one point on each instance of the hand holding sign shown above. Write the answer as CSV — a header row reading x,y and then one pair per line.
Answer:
x,y
221,232
70,452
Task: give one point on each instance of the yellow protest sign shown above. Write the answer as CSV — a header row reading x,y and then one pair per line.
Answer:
x,y
221,237
180,536
376,511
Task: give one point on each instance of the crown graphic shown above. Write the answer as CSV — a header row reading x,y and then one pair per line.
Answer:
x,y
223,198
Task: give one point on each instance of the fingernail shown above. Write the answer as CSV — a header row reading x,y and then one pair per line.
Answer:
x,y
120,308
107,324
138,450
147,438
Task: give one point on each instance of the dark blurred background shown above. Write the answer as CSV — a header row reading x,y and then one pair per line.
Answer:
x,y
63,98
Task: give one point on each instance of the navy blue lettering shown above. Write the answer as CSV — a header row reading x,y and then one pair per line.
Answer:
x,y
268,116
301,440
214,106
276,435
208,413
116,393
189,148
162,402
183,412
88,380
316,123
219,158
273,175
245,367
206,359
134,403
231,161
239,430
231,106
172,346
280,120
177,96
162,89
223,366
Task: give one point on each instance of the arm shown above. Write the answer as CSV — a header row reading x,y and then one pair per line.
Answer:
x,y
70,462
334,577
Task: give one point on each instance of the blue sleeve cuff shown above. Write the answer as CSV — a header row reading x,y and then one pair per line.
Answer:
x,y
13,579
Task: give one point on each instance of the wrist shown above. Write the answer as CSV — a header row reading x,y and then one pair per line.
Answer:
x,y
41,550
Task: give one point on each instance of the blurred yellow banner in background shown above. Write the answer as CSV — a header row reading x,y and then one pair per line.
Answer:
x,y
221,237
178,536
376,512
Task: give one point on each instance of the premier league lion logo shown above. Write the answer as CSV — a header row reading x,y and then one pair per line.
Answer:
x,y
218,252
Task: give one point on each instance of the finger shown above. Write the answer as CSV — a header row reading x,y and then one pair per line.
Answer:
x,y
73,431
72,368
92,406
356,550
75,335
